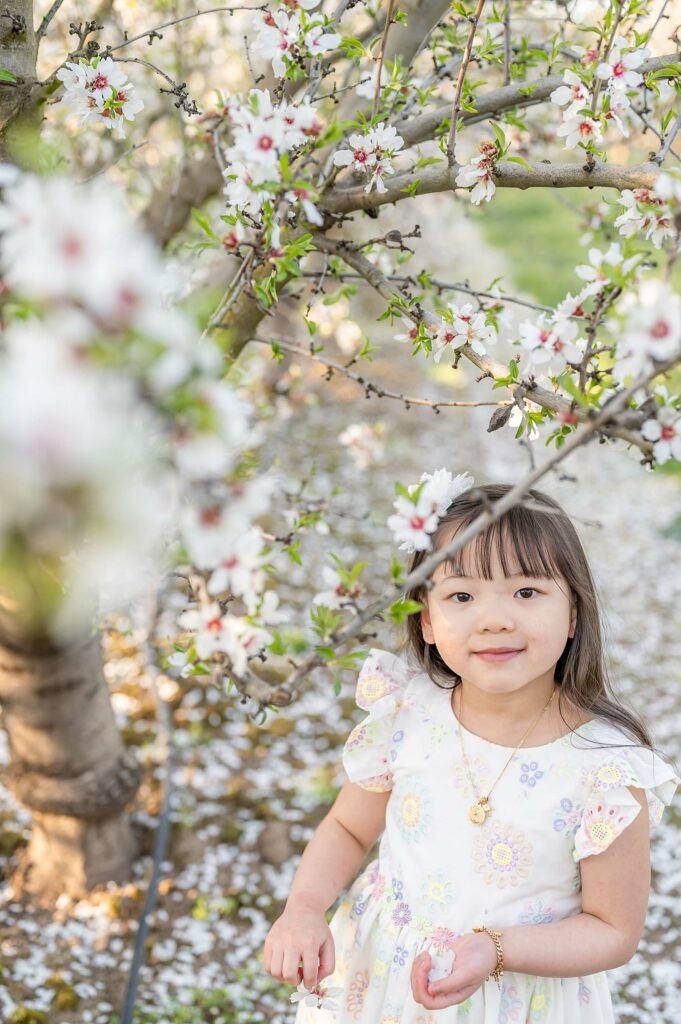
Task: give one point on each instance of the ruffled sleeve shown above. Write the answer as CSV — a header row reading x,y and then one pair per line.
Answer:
x,y
381,686
611,806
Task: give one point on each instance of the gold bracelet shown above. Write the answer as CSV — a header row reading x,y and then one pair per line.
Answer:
x,y
496,936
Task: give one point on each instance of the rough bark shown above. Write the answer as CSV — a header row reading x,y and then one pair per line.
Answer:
x,y
68,765
19,116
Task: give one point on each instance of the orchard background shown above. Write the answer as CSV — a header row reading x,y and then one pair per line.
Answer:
x,y
262,267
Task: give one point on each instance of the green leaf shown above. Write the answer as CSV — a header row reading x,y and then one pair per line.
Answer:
x,y
519,160
7,76
401,609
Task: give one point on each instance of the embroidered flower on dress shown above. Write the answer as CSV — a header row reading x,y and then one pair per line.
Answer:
x,y
510,1007
567,817
530,773
402,914
540,1003
502,854
438,891
414,811
442,939
357,993
536,913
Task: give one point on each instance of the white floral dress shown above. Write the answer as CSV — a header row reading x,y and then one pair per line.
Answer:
x,y
437,874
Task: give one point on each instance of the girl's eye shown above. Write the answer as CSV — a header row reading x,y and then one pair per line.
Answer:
x,y
463,593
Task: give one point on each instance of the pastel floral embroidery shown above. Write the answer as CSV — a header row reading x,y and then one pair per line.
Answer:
x,y
379,887
567,817
502,854
584,991
530,773
397,890
613,774
601,824
400,955
360,905
540,1004
510,1008
402,914
536,912
438,891
357,993
438,733
414,816
442,939
480,770
372,685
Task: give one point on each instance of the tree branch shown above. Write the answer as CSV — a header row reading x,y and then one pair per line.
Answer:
x,y
456,106
439,178
557,404
496,101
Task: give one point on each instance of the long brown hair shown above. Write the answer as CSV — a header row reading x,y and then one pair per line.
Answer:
x,y
545,543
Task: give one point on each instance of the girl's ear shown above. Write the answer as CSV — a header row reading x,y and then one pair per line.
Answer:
x,y
426,628
573,619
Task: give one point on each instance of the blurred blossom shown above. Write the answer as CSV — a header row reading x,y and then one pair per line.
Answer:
x,y
366,442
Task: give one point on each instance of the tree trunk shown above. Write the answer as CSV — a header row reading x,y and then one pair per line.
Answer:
x,y
20,115
68,765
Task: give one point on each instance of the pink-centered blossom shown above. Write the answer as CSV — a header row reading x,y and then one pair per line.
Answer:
x,y
467,327
415,520
665,433
479,173
573,94
579,129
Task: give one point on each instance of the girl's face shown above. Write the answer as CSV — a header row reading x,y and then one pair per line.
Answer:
x,y
465,615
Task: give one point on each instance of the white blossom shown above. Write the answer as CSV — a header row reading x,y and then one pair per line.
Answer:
x,y
466,328
372,152
652,329
646,213
337,597
365,442
574,95
479,174
99,91
320,996
665,433
594,273
241,570
619,70
551,344
414,521
579,128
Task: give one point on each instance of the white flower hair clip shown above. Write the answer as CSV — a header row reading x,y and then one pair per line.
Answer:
x,y
420,507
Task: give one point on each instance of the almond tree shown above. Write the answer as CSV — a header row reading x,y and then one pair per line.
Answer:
x,y
115,398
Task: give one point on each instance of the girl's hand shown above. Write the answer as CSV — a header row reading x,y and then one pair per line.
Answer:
x,y
476,958
301,933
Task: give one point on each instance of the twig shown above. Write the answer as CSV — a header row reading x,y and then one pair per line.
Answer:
x,y
367,385
42,28
668,139
153,32
441,286
381,54
456,107
507,43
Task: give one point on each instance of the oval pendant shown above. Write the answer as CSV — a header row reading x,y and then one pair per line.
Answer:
x,y
477,814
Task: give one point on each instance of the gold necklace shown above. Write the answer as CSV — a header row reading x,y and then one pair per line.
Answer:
x,y
479,811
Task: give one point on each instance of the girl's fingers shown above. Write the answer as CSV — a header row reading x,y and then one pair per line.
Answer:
x,y
327,958
291,972
310,968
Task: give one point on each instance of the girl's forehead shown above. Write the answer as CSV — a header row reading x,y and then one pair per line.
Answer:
x,y
469,562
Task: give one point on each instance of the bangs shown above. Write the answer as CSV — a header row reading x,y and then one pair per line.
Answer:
x,y
523,543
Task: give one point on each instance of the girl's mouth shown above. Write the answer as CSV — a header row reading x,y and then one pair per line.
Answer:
x,y
495,656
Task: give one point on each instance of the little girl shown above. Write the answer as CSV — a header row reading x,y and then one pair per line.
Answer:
x,y
515,795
